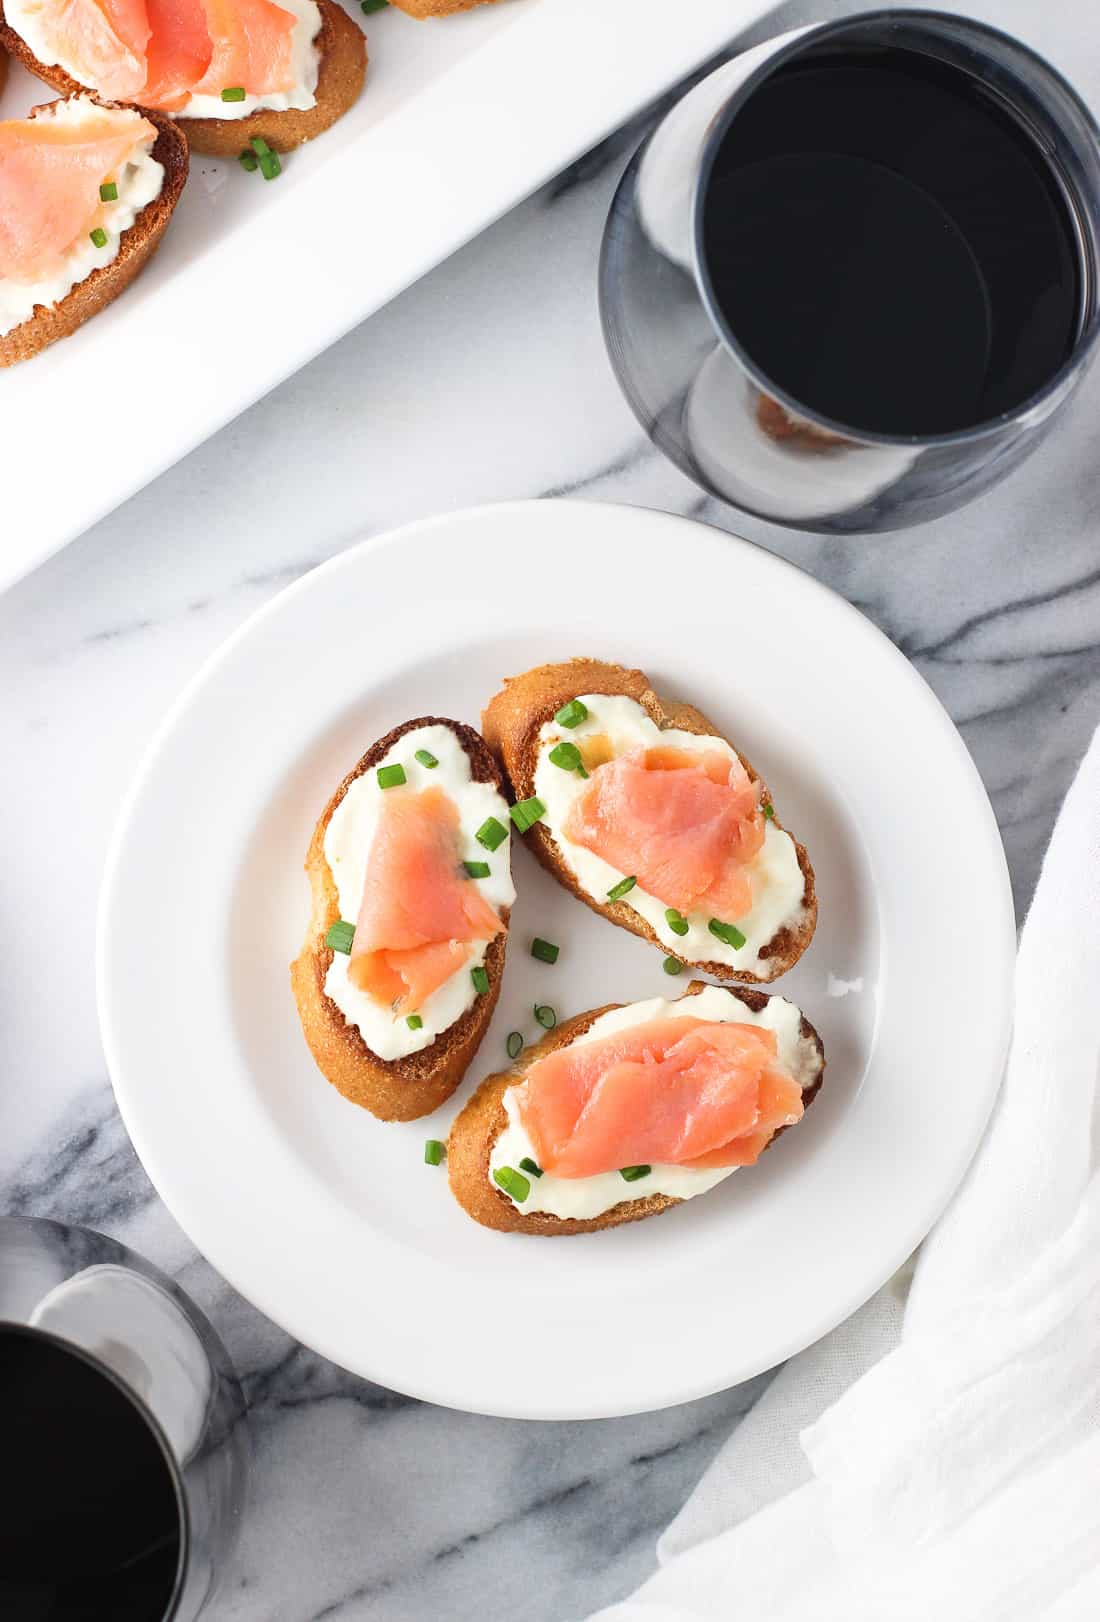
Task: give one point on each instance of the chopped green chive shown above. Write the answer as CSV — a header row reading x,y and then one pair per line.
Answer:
x,y
676,921
426,758
545,1015
108,192
769,811
568,757
414,1022
477,870
631,1174
491,833
624,887
270,167
672,965
433,1152
99,236
532,1166
545,951
514,1044
480,979
525,813
248,160
391,776
512,1182
233,92
340,936
727,932
369,7
572,714
259,146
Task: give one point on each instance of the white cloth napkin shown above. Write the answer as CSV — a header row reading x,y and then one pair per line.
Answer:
x,y
939,1457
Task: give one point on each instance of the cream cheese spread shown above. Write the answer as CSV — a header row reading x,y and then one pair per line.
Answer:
x,y
778,882
347,845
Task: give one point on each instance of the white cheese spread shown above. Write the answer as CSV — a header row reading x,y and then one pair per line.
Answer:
x,y
777,879
139,181
586,1197
348,840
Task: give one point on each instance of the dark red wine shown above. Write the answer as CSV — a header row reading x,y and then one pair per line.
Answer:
x,y
888,244
90,1530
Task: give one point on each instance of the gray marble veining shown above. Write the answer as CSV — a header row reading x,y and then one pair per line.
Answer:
x,y
486,381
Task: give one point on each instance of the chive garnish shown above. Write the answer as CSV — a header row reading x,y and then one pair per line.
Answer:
x,y
259,146
631,1174
108,192
477,870
491,833
391,776
572,714
545,951
433,1152
525,813
514,1044
545,1015
270,167
414,1022
369,7
769,811
233,92
624,887
248,160
727,932
99,236
568,757
512,1182
480,979
532,1166
426,758
672,965
340,936
676,921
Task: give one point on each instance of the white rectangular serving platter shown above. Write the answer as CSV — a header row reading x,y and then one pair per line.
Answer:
x,y
460,119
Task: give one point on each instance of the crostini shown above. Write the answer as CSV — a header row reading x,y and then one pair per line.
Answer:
x,y
436,8
412,890
639,807
86,192
229,71
627,1110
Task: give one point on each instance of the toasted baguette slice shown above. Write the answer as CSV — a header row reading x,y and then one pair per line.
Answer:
x,y
136,248
398,1089
342,71
511,723
483,1119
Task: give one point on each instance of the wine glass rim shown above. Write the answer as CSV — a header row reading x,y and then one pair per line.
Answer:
x,y
810,37
34,1332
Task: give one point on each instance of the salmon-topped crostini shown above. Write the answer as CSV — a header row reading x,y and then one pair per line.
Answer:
x,y
412,886
625,1111
649,815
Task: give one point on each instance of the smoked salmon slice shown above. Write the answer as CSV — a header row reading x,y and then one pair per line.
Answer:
x,y
684,823
178,53
51,170
420,914
251,47
102,44
671,1091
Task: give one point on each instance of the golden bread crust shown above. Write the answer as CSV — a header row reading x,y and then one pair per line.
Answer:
x,y
510,723
399,1089
482,1120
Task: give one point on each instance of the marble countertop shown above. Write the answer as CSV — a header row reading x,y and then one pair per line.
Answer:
x,y
487,380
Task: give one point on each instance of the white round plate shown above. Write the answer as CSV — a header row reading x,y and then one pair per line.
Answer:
x,y
328,1220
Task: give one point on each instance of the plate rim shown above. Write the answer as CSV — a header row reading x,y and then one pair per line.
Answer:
x,y
440,1392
